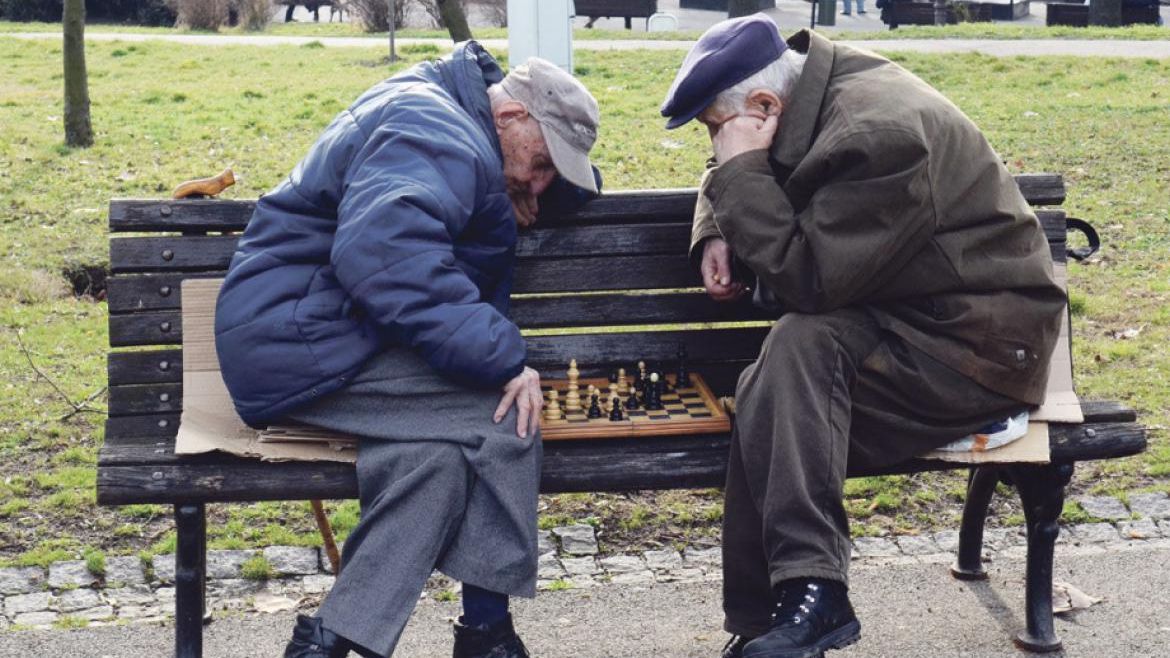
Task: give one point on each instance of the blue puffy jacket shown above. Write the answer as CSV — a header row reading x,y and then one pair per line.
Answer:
x,y
395,229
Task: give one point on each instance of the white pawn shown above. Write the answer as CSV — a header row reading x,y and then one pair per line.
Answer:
x,y
623,385
553,410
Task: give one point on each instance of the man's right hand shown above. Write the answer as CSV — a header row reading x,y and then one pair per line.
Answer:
x,y
524,391
716,269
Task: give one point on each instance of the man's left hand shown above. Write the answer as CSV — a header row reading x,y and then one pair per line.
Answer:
x,y
742,134
525,206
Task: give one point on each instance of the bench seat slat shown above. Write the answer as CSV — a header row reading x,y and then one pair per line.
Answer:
x,y
153,215
690,462
146,367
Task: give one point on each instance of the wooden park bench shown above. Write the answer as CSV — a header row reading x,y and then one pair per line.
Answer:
x,y
629,251
1076,14
921,12
627,9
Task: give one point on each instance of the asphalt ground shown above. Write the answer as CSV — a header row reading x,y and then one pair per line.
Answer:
x,y
906,610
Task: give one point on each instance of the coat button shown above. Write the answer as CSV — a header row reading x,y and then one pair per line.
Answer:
x,y
1021,356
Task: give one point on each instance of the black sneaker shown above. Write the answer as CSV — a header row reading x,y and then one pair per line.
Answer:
x,y
734,647
312,640
496,641
812,617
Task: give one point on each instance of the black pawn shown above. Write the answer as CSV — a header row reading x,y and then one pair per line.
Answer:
x,y
654,395
616,414
632,400
682,379
594,408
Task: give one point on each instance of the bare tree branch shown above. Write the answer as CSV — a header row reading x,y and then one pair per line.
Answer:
x,y
78,407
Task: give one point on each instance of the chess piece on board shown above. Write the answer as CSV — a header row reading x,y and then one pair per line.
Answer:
x,y
572,396
553,410
654,393
594,406
632,400
623,383
615,410
613,389
641,381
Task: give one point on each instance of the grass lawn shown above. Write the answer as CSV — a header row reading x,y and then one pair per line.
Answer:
x,y
998,30
167,112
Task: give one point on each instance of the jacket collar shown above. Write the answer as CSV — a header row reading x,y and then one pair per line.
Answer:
x,y
798,123
467,73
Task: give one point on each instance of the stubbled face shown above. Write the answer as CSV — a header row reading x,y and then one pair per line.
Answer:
x,y
713,117
528,166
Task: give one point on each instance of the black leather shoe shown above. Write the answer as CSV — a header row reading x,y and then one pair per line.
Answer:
x,y
312,640
812,617
496,641
734,647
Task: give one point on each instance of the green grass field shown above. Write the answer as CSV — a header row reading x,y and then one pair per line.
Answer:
x,y
167,112
996,30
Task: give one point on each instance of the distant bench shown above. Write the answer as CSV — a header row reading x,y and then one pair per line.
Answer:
x,y
919,12
1076,14
628,250
627,9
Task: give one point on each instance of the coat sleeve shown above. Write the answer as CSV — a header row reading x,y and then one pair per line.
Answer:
x,y
407,198
870,212
703,227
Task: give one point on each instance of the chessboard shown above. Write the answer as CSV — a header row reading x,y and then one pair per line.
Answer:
x,y
689,410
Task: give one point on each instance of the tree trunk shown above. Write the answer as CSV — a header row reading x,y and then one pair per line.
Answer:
x,y
1105,12
940,12
737,8
78,131
455,19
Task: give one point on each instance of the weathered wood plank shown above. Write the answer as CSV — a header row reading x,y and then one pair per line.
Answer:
x,y
661,463
672,205
151,328
145,399
148,367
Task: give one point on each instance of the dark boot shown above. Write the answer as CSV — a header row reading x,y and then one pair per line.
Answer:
x,y
813,616
734,647
496,641
312,640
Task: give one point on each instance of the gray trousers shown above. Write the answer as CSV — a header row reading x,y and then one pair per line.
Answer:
x,y
441,486
827,391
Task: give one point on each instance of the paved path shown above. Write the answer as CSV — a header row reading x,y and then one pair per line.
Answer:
x,y
1002,48
907,610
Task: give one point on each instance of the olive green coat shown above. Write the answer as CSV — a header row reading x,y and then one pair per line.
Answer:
x,y
879,193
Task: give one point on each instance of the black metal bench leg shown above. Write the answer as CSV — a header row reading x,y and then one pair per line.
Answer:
x,y
980,489
1041,490
190,579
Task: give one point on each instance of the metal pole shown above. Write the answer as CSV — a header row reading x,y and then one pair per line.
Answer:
x,y
812,19
390,6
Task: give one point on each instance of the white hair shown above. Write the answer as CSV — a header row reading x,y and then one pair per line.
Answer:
x,y
780,77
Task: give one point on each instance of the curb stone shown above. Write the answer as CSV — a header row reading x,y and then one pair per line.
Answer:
x,y
25,602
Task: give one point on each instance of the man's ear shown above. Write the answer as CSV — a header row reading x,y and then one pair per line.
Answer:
x,y
508,112
765,101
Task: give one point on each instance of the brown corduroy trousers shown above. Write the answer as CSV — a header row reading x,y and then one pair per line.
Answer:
x,y
828,392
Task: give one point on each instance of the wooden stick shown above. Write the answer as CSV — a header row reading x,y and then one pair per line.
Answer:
x,y
326,535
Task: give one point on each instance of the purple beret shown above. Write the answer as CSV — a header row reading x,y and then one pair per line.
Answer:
x,y
728,53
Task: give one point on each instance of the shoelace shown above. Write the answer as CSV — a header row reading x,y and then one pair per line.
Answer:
x,y
802,612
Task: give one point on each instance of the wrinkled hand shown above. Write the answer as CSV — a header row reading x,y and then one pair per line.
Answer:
x,y
716,269
524,391
525,206
742,134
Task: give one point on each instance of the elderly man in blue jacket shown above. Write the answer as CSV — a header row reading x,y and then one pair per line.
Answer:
x,y
369,295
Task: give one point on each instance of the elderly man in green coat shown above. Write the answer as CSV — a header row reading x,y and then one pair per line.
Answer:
x,y
917,295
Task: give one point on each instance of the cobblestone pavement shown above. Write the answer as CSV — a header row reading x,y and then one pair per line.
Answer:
x,y
68,595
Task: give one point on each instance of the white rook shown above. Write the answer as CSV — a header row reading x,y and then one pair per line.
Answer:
x,y
541,28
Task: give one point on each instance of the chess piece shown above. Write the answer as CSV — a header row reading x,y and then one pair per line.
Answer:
x,y
623,384
572,397
641,382
589,393
613,389
632,401
653,393
552,411
594,407
682,378
615,411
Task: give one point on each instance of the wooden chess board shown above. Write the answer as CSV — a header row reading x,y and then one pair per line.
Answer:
x,y
691,410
